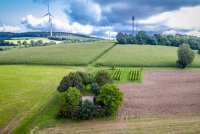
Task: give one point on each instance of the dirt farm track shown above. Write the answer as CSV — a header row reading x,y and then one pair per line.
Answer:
x,y
164,92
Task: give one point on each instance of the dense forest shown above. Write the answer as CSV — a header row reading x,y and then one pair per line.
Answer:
x,y
158,39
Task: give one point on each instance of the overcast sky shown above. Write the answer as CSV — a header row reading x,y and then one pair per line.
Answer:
x,y
94,17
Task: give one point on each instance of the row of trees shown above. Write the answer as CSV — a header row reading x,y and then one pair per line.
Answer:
x,y
33,43
158,39
6,43
70,39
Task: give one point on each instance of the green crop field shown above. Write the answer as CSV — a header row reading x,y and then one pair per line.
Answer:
x,y
71,54
143,56
24,89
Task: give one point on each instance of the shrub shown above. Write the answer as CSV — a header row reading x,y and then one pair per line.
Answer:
x,y
198,51
88,87
71,97
100,113
71,80
86,77
111,97
87,110
185,56
68,101
95,89
66,111
102,77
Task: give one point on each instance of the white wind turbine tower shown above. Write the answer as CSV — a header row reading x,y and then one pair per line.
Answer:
x,y
109,32
50,16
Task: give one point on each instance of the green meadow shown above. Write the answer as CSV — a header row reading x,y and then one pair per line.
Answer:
x,y
24,89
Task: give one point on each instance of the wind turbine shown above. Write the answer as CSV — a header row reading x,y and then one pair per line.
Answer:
x,y
50,16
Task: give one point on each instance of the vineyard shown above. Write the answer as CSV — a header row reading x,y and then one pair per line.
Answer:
x,y
135,75
127,75
117,74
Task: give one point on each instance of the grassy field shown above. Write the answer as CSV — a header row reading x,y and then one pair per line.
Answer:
x,y
71,54
24,89
188,124
143,56
28,39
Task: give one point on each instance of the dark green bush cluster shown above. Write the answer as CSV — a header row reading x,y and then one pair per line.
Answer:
x,y
198,51
6,43
158,39
111,97
117,74
135,74
1,49
102,77
72,80
68,102
108,96
185,56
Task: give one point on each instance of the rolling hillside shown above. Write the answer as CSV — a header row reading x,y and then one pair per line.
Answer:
x,y
96,53
71,54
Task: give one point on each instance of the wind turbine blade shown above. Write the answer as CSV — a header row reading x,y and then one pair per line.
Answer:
x,y
46,15
51,15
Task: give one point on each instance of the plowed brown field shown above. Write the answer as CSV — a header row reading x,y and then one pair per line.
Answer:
x,y
162,93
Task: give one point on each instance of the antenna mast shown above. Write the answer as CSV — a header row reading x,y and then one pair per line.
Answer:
x,y
136,28
133,25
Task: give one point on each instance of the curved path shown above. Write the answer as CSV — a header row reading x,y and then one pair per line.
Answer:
x,y
162,93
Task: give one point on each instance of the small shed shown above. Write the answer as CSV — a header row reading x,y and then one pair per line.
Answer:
x,y
90,98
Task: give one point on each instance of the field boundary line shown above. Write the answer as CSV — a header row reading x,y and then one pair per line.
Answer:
x,y
102,54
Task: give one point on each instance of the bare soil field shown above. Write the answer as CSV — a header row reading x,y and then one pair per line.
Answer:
x,y
162,93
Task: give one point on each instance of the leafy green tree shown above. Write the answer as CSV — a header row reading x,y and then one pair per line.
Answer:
x,y
121,39
19,42
68,102
32,43
142,37
185,56
95,89
87,110
152,40
164,41
111,97
71,97
71,80
133,39
24,43
87,78
102,77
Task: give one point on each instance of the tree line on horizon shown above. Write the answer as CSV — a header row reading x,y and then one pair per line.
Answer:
x,y
143,38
